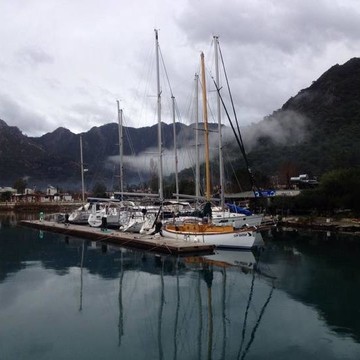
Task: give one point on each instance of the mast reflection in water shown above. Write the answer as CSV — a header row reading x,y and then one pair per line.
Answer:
x,y
68,298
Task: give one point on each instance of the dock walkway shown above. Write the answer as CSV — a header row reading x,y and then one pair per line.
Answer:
x,y
154,243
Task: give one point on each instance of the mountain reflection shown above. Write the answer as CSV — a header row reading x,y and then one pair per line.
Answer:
x,y
317,268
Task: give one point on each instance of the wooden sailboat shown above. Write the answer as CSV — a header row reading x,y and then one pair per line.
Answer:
x,y
222,213
206,231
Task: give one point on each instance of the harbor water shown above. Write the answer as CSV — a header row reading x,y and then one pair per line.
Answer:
x,y
61,297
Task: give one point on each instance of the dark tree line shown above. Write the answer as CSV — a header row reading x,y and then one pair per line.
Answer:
x,y
338,191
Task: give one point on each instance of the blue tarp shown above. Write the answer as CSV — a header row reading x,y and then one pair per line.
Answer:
x,y
238,209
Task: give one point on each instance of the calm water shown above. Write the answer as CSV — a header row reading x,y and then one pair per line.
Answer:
x,y
67,298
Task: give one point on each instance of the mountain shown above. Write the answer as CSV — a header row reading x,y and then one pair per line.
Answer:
x,y
314,132
17,153
320,127
54,158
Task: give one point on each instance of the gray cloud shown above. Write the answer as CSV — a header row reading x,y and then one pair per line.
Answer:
x,y
70,66
275,24
34,56
28,121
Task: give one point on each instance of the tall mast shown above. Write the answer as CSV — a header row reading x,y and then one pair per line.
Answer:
x,y
161,191
221,163
197,164
205,118
175,150
121,149
82,171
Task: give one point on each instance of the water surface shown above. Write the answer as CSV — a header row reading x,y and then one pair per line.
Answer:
x,y
67,298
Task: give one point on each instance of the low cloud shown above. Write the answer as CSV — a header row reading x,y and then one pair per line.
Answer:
x,y
286,127
26,120
34,56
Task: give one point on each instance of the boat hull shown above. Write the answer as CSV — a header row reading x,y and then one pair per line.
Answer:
x,y
79,217
212,235
237,220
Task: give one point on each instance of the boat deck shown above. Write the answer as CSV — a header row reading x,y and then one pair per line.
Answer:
x,y
155,243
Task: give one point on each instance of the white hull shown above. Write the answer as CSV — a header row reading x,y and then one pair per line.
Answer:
x,y
137,221
232,240
116,214
236,220
133,225
80,216
95,220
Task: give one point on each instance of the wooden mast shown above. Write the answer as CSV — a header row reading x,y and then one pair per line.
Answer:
x,y
205,118
197,169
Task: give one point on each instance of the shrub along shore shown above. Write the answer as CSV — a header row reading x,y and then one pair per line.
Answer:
x,y
333,224
37,207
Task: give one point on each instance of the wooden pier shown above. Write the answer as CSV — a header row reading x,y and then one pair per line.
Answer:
x,y
155,243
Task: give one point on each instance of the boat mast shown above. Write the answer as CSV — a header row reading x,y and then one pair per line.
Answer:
x,y
205,118
197,168
161,191
175,150
121,148
82,171
221,163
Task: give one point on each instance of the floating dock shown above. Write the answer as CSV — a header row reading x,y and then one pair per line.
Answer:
x,y
155,243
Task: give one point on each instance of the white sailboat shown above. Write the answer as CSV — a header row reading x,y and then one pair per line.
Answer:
x,y
227,213
206,231
80,216
114,210
224,216
140,218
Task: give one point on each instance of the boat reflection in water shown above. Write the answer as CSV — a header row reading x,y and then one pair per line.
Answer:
x,y
179,308
203,306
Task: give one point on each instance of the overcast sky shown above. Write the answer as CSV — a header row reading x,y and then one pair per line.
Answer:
x,y
66,62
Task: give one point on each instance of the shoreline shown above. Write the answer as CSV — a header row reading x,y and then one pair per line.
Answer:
x,y
343,225
23,207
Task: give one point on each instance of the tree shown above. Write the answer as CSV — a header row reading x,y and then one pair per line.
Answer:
x,y
187,186
342,186
99,190
5,196
338,189
20,185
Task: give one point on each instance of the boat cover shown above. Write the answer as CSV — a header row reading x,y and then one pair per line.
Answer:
x,y
238,209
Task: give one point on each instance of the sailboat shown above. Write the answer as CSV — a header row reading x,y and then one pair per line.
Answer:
x,y
225,213
206,231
